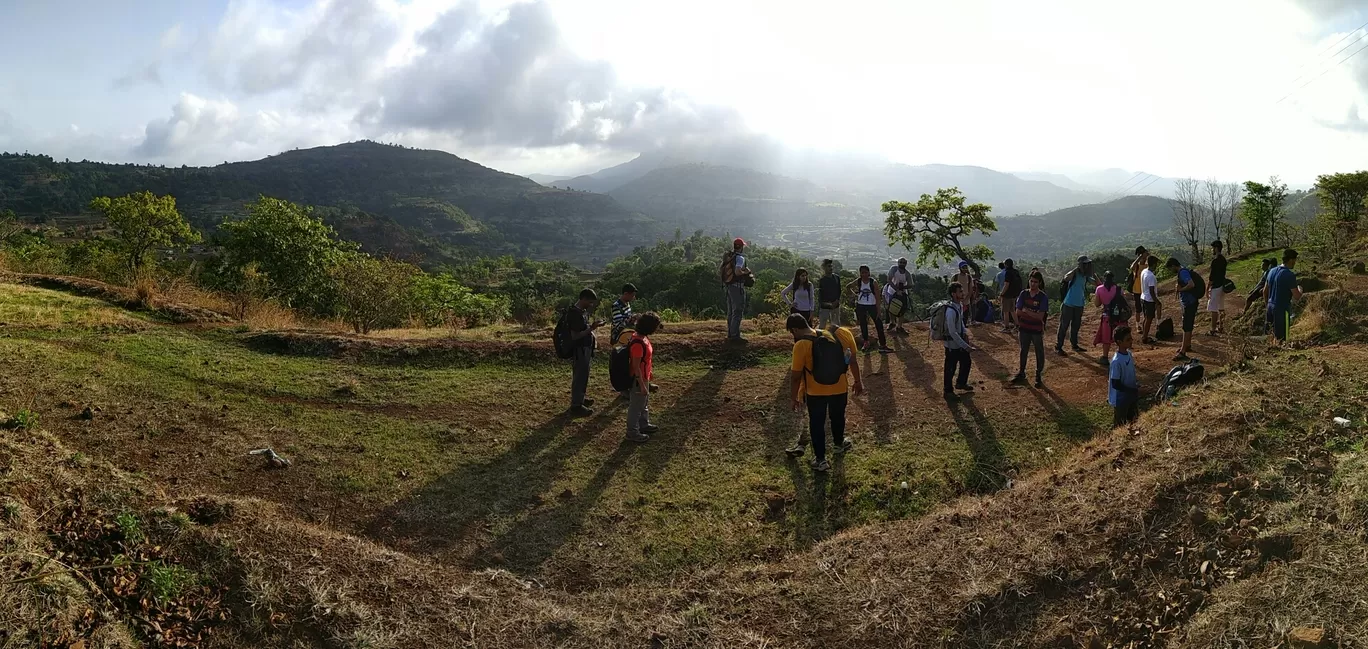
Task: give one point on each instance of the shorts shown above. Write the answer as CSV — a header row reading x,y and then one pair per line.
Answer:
x,y
1147,309
1217,302
1189,316
1279,321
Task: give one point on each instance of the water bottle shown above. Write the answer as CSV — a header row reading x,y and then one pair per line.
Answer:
x,y
847,353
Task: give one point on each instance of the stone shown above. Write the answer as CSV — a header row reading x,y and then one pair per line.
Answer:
x,y
1305,637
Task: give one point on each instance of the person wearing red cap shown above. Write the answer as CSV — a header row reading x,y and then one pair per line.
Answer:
x,y
734,276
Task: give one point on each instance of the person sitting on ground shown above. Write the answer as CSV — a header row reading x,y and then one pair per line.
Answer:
x,y
1187,296
1124,392
867,302
1032,309
1107,294
899,283
1281,290
829,295
1074,288
641,353
1011,289
824,400
582,337
957,345
801,296
1149,296
622,313
1215,292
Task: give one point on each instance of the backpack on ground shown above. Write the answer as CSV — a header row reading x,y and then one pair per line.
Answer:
x,y
1165,330
560,337
1119,309
1181,376
936,314
620,366
828,357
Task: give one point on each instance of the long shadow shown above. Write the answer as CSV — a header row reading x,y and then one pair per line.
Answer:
x,y
1071,421
881,404
989,471
690,411
784,427
917,371
440,514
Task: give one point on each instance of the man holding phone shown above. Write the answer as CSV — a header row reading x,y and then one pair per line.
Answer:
x,y
582,337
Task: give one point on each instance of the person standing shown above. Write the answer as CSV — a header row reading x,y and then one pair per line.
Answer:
x,y
957,346
1280,291
800,296
1032,309
1134,283
867,301
829,295
1011,289
641,359
1215,292
819,374
583,340
965,278
1124,391
734,277
622,313
1187,297
1000,278
1113,304
1074,289
1149,295
899,283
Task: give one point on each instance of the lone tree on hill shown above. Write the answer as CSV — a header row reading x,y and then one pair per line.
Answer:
x,y
1262,209
936,224
145,222
1344,195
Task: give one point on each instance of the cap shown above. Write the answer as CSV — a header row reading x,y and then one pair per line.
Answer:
x,y
738,242
1083,259
964,264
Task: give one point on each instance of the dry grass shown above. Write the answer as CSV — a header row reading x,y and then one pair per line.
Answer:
x,y
185,292
270,315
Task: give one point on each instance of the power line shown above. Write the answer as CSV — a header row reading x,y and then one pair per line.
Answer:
x,y
1141,188
1321,55
1327,70
1128,186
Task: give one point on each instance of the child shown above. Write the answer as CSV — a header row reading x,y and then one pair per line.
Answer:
x,y
639,426
1124,395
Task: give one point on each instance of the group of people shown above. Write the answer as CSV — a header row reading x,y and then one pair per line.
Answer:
x,y
825,357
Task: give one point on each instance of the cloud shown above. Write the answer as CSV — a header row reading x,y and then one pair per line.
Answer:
x,y
149,74
206,131
1353,122
1331,9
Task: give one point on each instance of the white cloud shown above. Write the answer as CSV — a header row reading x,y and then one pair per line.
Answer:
x,y
206,131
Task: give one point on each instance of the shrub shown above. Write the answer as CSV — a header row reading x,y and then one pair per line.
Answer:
x,y
670,315
373,293
439,300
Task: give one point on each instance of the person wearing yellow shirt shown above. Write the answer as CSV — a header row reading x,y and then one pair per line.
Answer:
x,y
824,363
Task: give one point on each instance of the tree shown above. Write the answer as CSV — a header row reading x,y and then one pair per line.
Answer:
x,y
1262,209
144,222
10,227
937,224
1189,218
1343,195
294,249
373,293
1221,203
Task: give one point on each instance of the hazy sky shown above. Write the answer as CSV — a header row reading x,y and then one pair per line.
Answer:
x,y
1174,87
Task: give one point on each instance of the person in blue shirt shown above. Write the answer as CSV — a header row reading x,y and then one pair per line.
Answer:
x,y
1074,295
1280,290
1187,295
1124,392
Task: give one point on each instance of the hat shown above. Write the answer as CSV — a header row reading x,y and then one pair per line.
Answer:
x,y
738,242
964,264
1083,259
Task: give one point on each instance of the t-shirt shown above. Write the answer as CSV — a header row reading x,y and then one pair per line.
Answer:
x,y
866,293
645,349
1184,278
1218,272
829,289
1074,296
802,362
1281,282
1122,368
1148,281
799,297
622,312
898,277
579,321
1000,279
1137,271
1105,296
1038,303
1013,280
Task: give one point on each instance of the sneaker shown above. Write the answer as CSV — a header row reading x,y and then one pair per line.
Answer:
x,y
844,447
1019,379
581,411
1040,385
588,403
885,350
821,466
965,388
638,437
653,387
1060,351
1079,350
650,429
794,451
1103,361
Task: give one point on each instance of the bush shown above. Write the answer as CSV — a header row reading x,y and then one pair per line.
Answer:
x,y
439,300
373,293
669,315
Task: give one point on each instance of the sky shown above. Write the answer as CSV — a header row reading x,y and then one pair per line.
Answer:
x,y
1230,89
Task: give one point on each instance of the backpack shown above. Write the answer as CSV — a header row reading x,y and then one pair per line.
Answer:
x,y
897,305
937,317
620,366
1119,309
1229,287
1165,330
1198,284
560,338
828,357
727,271
1181,376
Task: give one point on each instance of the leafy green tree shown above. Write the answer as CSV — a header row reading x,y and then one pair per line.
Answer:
x,y
1262,209
144,222
293,248
936,224
440,300
373,293
1344,195
10,226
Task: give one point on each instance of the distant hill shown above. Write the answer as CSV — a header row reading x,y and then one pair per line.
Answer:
x,y
546,179
1086,229
438,203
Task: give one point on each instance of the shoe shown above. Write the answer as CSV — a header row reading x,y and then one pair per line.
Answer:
x,y
588,403
794,451
1103,361
581,411
885,350
1040,385
1079,350
951,396
653,387
1180,357
638,437
650,429
965,388
821,466
1019,379
1150,341
1060,351
844,447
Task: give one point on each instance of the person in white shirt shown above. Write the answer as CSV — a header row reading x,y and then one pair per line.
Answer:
x,y
1149,296
899,282
800,297
957,345
868,299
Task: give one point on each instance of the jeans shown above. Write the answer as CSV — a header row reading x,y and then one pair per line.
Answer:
x,y
956,358
1031,339
830,316
865,313
819,409
579,383
736,308
638,409
1069,317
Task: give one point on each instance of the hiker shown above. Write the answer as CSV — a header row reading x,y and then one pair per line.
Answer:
x,y
1134,278
965,278
622,313
957,345
1215,292
1010,290
829,295
899,282
821,362
1280,291
867,301
1032,309
999,278
1187,296
735,276
1115,312
1124,393
1149,296
800,296
641,353
583,341
1072,290
1257,295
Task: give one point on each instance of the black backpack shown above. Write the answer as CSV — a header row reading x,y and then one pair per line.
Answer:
x,y
1198,284
1181,376
1119,309
828,357
565,348
620,366
1165,330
